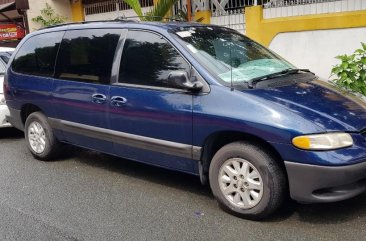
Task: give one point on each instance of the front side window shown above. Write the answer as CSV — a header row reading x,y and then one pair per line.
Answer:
x,y
148,59
230,56
87,55
37,55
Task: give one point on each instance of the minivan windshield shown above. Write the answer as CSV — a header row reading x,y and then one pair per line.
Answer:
x,y
229,55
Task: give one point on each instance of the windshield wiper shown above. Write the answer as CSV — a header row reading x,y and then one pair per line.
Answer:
x,y
252,82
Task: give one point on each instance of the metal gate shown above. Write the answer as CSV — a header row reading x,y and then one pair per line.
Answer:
x,y
230,13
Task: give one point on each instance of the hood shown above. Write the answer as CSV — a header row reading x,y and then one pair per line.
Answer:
x,y
320,103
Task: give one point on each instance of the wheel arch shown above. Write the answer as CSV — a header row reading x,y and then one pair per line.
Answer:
x,y
217,140
28,109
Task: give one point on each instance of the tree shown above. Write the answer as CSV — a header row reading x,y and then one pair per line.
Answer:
x,y
157,13
49,17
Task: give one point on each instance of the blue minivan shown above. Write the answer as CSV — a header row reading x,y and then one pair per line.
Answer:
x,y
199,99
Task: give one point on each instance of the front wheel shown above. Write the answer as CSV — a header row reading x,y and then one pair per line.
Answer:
x,y
247,181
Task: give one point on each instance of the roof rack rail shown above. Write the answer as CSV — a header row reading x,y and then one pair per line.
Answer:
x,y
147,18
127,19
119,19
73,23
59,25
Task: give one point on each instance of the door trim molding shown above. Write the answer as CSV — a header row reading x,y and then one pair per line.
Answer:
x,y
137,141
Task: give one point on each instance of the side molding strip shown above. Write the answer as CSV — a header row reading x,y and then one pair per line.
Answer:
x,y
143,142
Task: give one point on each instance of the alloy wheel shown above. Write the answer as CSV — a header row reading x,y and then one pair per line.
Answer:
x,y
241,183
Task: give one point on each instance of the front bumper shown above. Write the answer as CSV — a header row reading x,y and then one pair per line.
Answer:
x,y
315,184
4,111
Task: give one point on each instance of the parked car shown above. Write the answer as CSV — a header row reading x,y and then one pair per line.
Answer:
x,y
5,54
199,99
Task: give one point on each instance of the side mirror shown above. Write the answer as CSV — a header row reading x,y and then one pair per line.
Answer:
x,y
179,79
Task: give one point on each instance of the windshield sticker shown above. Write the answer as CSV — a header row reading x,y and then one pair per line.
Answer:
x,y
193,49
184,34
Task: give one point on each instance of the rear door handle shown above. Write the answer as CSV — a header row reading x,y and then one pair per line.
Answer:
x,y
99,98
118,101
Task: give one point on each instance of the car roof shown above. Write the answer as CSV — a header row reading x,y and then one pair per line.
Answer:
x,y
122,24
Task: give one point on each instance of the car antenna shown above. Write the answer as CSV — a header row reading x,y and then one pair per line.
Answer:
x,y
231,71
231,64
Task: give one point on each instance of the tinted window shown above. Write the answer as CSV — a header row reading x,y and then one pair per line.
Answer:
x,y
38,54
87,55
147,59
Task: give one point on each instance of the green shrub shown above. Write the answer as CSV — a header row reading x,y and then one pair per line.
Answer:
x,y
49,17
351,72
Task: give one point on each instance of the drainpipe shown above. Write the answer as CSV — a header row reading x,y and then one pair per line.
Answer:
x,y
26,23
22,6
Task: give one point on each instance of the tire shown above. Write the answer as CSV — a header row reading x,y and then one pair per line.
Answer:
x,y
252,194
40,138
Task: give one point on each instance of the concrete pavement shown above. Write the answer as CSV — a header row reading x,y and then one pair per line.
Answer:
x,y
91,196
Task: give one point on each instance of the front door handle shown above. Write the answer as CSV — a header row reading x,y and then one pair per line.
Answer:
x,y
118,101
99,98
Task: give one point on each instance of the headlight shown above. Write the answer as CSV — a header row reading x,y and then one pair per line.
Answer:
x,y
2,99
327,141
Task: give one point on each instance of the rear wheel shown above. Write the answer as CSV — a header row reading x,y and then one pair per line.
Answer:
x,y
247,181
40,138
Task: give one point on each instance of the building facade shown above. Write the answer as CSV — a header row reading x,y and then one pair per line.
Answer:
x,y
309,33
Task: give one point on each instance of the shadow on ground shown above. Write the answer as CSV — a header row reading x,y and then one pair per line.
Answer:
x,y
11,133
322,213
142,171
331,213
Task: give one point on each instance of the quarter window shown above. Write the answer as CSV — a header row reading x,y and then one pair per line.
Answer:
x,y
87,55
147,59
37,56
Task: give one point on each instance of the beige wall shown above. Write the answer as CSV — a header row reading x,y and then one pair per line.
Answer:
x,y
318,47
62,7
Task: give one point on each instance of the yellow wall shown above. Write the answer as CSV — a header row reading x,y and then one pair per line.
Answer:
x,y
264,30
206,15
77,11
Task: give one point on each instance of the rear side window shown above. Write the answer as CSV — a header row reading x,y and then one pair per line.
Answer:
x,y
37,55
87,55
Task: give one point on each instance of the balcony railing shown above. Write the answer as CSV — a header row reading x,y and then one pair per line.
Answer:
x,y
288,8
287,3
112,6
230,5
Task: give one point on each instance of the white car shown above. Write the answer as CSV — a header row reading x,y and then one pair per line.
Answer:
x,y
3,108
5,54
